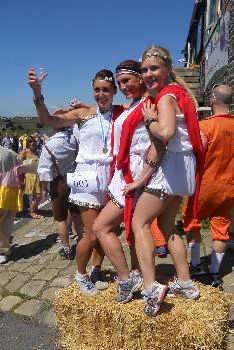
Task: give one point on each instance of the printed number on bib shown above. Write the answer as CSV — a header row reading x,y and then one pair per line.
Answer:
x,y
84,181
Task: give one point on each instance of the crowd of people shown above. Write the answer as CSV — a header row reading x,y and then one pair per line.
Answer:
x,y
19,143
109,164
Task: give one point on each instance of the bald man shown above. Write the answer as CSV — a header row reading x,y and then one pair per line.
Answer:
x,y
217,186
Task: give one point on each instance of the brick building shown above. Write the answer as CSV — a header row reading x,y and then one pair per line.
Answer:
x,y
210,44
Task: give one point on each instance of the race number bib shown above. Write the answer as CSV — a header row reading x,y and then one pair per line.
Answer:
x,y
83,181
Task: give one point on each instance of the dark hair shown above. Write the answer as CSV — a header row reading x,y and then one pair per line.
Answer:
x,y
105,74
129,65
30,139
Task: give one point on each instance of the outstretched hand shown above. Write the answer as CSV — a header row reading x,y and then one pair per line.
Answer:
x,y
35,80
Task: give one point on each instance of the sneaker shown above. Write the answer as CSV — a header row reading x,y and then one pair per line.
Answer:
x,y
161,251
86,285
99,279
3,259
58,239
127,288
216,281
189,292
154,299
136,276
196,270
66,253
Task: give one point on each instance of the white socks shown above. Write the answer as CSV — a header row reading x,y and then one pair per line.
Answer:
x,y
216,259
194,251
80,276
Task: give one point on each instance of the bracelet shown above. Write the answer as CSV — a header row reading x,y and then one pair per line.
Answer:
x,y
148,122
38,101
151,163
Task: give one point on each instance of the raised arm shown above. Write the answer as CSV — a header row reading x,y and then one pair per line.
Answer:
x,y
66,118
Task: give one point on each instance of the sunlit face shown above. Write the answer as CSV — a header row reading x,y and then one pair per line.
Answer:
x,y
130,85
103,92
154,73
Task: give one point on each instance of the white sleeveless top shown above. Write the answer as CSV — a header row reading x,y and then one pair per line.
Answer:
x,y
140,144
119,123
180,142
90,139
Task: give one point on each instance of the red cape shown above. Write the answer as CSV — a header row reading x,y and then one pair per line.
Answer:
x,y
187,106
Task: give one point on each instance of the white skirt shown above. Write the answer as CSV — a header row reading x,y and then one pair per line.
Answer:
x,y
92,200
175,175
115,188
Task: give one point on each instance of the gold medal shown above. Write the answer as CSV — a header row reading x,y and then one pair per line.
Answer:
x,y
105,150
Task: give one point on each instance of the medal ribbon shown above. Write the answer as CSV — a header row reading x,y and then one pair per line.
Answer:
x,y
105,137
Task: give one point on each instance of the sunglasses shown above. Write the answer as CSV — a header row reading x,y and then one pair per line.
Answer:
x,y
212,90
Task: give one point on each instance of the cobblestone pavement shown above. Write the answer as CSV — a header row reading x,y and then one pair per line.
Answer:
x,y
30,279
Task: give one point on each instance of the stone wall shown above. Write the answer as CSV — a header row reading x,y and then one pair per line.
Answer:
x,y
191,76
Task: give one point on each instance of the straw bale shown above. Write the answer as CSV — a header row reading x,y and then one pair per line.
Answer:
x,y
100,323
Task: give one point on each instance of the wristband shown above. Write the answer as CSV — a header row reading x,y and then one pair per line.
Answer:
x,y
149,121
38,101
151,163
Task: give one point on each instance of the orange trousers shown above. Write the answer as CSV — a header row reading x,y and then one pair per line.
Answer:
x,y
214,204
158,237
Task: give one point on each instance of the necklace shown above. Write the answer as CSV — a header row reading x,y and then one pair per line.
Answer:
x,y
105,136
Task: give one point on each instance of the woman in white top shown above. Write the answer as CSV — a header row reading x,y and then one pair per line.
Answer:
x,y
89,181
172,119
131,85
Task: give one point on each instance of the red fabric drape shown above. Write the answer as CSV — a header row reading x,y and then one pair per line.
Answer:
x,y
187,106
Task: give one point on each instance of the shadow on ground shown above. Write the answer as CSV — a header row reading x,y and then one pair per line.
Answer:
x,y
20,334
34,248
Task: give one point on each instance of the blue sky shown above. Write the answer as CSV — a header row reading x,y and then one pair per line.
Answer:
x,y
73,39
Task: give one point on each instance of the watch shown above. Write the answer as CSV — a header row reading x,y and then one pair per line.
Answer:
x,y
149,121
38,101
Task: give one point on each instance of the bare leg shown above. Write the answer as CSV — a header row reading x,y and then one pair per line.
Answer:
x,y
166,222
86,244
69,221
134,260
63,233
109,217
98,255
148,207
34,206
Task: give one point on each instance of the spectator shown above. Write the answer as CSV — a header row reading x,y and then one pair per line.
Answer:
x,y
32,182
15,143
56,160
6,141
217,186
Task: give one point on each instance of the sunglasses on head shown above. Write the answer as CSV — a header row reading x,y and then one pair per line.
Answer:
x,y
212,90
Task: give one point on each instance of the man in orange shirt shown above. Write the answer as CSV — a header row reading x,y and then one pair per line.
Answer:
x,y
216,197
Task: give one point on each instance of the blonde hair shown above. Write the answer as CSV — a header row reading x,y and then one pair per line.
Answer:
x,y
166,59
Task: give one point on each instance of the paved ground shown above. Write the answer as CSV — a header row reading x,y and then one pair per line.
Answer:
x,y
28,283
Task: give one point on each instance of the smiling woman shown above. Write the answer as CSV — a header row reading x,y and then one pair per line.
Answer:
x,y
93,130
